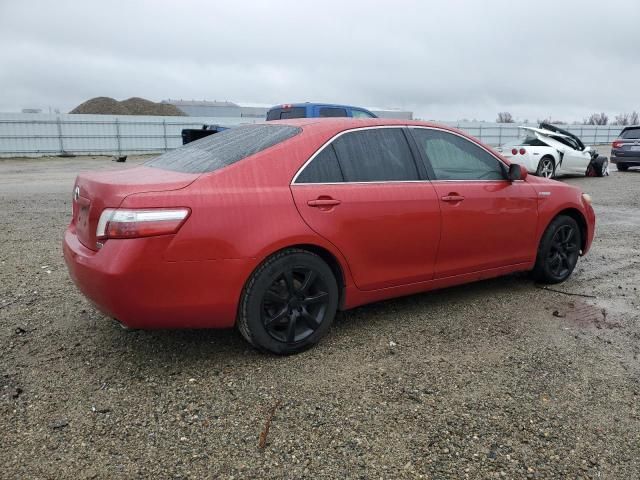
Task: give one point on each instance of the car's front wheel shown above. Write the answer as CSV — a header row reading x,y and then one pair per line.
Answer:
x,y
288,303
546,167
622,167
558,250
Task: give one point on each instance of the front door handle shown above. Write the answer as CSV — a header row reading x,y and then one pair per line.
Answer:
x,y
323,202
452,197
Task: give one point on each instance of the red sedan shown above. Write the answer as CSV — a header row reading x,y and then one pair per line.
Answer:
x,y
273,227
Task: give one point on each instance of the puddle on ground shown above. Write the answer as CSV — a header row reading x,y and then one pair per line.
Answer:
x,y
585,315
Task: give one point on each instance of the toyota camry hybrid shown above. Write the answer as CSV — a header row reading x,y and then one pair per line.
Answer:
x,y
273,227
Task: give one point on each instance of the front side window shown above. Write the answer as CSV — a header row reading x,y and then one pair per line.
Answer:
x,y
453,157
332,112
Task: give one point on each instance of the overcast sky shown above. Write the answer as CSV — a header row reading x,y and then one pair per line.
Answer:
x,y
444,60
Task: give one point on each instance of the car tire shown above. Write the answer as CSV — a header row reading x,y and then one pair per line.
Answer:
x,y
598,167
558,251
622,167
546,167
288,303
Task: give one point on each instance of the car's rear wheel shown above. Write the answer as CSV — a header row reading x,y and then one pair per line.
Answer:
x,y
558,251
288,303
622,167
546,167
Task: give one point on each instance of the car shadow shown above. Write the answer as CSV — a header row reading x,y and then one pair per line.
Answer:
x,y
211,347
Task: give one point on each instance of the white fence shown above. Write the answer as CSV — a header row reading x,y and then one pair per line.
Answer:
x,y
23,135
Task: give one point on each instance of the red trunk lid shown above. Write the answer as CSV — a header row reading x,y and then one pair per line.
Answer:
x,y
95,191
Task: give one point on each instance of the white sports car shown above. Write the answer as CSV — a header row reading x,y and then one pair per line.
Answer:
x,y
549,151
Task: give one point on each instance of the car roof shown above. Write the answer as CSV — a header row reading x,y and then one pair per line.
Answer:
x,y
346,123
311,104
334,125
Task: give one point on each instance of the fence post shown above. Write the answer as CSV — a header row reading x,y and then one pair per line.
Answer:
x,y
480,133
500,135
59,125
164,130
118,136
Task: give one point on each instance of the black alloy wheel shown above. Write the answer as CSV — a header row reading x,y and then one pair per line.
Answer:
x,y
295,304
558,251
563,254
289,302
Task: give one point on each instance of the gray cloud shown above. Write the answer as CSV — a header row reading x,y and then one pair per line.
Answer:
x,y
444,60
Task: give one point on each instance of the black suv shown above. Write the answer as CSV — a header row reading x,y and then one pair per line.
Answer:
x,y
625,150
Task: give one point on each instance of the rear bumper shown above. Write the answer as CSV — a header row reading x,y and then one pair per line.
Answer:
x,y
130,281
631,161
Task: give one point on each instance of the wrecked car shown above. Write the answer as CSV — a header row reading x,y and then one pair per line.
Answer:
x,y
549,151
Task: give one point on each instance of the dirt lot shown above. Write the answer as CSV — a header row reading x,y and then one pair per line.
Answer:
x,y
499,378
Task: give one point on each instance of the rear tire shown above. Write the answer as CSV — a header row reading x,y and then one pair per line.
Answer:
x,y
288,303
558,251
622,167
546,167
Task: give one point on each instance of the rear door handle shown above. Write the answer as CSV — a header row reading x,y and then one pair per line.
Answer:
x,y
452,198
323,202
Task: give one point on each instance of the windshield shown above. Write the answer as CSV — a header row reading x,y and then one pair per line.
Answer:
x,y
286,113
223,148
528,140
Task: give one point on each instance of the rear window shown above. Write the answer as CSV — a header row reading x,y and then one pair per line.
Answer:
x,y
223,148
286,113
529,140
631,133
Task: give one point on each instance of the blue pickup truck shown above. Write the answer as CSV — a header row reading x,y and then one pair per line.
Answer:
x,y
314,110
287,110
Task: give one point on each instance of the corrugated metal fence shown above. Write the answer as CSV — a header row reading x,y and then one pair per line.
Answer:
x,y
43,134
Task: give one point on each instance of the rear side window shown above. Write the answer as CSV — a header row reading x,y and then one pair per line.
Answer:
x,y
324,168
631,133
375,155
332,112
286,113
455,158
224,148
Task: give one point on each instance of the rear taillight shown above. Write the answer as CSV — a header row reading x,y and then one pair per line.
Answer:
x,y
617,143
514,151
134,223
522,151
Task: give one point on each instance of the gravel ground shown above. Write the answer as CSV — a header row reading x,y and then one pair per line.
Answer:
x,y
494,379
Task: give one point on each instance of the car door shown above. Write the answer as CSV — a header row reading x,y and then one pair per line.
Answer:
x,y
573,160
366,194
487,221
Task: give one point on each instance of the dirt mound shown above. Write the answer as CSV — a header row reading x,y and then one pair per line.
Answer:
x,y
131,106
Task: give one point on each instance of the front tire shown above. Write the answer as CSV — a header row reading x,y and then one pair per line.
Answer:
x,y
558,251
289,302
546,167
622,167
602,169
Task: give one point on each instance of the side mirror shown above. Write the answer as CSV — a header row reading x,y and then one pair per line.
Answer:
x,y
517,172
